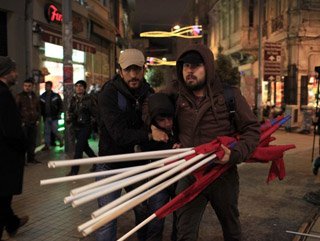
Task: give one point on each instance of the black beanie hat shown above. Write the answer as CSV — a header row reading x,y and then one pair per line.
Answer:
x,y
6,65
81,82
191,57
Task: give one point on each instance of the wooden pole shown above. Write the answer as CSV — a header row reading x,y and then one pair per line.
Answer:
x,y
108,216
136,228
304,234
118,158
147,185
131,172
83,176
123,183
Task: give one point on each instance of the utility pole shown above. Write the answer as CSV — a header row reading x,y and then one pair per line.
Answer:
x,y
67,67
259,83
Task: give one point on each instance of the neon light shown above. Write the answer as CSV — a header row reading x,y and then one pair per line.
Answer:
x,y
194,31
152,61
53,14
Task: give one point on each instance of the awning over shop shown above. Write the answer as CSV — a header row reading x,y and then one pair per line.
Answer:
x,y
54,37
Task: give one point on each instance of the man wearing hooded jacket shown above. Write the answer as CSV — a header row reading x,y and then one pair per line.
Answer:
x,y
203,115
121,127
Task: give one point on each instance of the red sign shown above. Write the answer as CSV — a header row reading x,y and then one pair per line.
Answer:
x,y
52,14
67,74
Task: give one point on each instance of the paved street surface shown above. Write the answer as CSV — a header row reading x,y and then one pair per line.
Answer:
x,y
266,210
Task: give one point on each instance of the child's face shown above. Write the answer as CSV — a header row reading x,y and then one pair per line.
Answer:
x,y
164,122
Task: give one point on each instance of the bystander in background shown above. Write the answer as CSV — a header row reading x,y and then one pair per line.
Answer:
x,y
12,149
29,107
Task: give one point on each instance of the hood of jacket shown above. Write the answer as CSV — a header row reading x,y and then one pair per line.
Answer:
x,y
214,86
160,104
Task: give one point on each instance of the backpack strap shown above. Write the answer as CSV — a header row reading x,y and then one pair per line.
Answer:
x,y
231,104
122,102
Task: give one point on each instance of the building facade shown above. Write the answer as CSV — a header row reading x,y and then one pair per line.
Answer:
x,y
31,33
290,48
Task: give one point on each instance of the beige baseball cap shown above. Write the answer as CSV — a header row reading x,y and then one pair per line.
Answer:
x,y
131,57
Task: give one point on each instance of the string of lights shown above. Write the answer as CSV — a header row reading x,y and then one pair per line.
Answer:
x,y
194,31
152,61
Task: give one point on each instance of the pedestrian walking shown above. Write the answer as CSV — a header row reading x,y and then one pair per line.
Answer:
x,y
51,109
205,110
29,107
12,149
82,115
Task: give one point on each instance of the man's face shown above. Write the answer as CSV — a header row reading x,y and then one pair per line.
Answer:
x,y
27,87
132,76
194,75
12,78
79,89
165,123
48,87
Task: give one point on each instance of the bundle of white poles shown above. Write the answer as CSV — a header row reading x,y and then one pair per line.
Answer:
x,y
160,174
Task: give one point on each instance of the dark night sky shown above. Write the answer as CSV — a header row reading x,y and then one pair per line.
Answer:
x,y
158,14
162,15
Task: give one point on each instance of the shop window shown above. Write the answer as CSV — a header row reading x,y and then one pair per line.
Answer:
x,y
56,51
53,51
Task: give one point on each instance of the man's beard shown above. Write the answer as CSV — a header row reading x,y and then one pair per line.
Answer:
x,y
195,86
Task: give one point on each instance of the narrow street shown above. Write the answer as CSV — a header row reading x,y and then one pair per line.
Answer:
x,y
266,210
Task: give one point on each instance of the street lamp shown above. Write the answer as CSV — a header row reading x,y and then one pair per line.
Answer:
x,y
193,31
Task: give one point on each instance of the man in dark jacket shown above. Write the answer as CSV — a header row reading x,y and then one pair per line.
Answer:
x,y
29,107
121,126
203,115
51,108
12,149
82,114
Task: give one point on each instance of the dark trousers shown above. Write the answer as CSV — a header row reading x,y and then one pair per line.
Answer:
x,y
30,131
82,135
223,197
156,226
108,232
8,220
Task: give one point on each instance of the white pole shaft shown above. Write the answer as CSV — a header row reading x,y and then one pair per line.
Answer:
x,y
83,176
96,223
91,222
124,183
136,228
304,234
118,158
147,185
131,172
71,198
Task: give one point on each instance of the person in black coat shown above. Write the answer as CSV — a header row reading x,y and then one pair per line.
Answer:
x,y
121,127
81,114
12,149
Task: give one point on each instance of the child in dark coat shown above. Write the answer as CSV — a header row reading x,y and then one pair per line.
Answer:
x,y
161,115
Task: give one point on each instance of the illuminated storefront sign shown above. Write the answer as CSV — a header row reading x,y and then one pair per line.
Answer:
x,y
52,14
